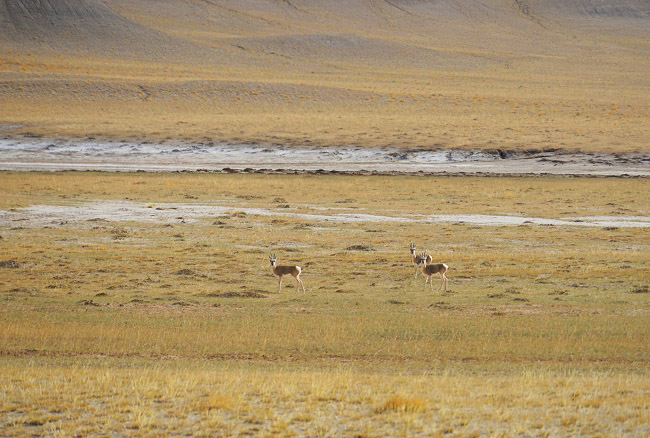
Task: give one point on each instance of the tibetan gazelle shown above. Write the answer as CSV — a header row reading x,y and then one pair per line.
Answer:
x,y
415,259
286,270
434,268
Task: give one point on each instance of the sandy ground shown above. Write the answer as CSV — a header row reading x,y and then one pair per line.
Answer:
x,y
57,155
89,213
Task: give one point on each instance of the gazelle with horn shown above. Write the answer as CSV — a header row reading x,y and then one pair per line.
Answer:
x,y
294,270
433,268
415,259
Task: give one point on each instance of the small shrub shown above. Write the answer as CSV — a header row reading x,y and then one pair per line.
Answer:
x,y
359,248
12,264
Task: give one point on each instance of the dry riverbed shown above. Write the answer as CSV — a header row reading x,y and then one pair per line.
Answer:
x,y
90,154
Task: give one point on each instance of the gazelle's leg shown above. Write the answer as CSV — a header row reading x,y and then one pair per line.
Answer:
x,y
445,277
416,271
280,284
298,280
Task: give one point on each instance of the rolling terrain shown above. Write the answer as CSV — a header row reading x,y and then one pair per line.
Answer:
x,y
433,74
153,153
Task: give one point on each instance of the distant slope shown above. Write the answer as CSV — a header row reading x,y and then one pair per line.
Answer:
x,y
209,31
631,9
430,73
81,27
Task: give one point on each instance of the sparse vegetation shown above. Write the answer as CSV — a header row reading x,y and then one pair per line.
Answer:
x,y
400,403
151,333
169,322
491,77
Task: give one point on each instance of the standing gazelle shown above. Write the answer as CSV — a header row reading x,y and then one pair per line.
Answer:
x,y
286,270
415,259
435,268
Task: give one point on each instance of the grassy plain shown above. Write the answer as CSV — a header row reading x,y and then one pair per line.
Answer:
x,y
175,324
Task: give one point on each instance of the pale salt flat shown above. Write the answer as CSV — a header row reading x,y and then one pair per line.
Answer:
x,y
58,155
86,213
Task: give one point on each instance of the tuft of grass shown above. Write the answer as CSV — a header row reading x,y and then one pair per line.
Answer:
x,y
218,402
399,403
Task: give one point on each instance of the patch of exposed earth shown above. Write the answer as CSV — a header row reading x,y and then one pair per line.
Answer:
x,y
116,156
88,213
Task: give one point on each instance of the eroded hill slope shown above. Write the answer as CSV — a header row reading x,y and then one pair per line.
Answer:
x,y
447,73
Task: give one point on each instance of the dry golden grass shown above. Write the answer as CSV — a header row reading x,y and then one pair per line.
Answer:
x,y
551,197
111,326
440,115
461,75
400,403
146,398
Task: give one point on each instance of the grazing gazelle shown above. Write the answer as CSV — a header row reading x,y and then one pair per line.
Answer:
x,y
435,268
416,259
286,270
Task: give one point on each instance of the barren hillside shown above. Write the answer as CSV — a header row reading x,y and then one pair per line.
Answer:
x,y
471,74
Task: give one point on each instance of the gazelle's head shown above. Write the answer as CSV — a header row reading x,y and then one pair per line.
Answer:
x,y
423,258
412,248
272,259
